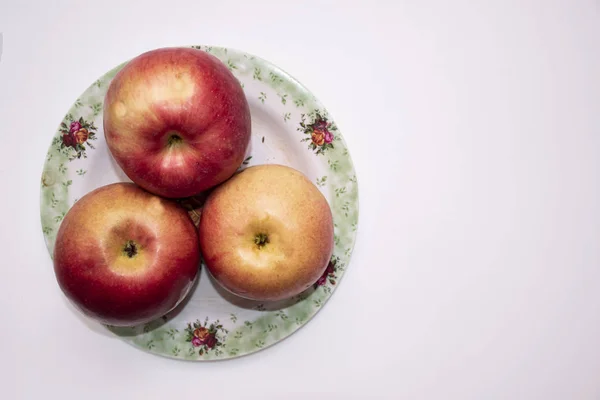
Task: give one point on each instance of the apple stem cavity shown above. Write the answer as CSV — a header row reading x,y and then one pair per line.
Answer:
x,y
261,240
174,140
130,249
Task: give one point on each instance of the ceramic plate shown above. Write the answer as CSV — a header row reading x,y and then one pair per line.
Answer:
x,y
289,126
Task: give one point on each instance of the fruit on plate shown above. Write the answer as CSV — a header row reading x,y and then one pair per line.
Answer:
x,y
124,256
177,121
267,233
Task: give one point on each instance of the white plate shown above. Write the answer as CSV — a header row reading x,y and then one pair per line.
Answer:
x,y
289,126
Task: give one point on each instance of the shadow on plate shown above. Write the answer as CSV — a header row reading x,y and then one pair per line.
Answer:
x,y
254,304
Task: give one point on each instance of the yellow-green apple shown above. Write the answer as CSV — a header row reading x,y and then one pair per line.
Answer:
x,y
124,256
177,121
266,233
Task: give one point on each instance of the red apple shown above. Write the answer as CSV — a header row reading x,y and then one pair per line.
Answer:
x,y
124,256
176,121
267,233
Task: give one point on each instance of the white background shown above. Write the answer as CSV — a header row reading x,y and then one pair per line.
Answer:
x,y
475,131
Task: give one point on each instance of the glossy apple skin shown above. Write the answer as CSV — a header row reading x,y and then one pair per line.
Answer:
x,y
96,274
282,203
184,92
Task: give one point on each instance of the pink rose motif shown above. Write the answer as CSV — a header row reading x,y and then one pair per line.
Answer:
x,y
196,342
75,126
328,136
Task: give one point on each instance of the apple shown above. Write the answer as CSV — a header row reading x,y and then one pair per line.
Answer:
x,y
176,121
267,233
124,256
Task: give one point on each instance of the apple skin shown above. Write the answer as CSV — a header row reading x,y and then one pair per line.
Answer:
x,y
282,204
94,270
177,121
